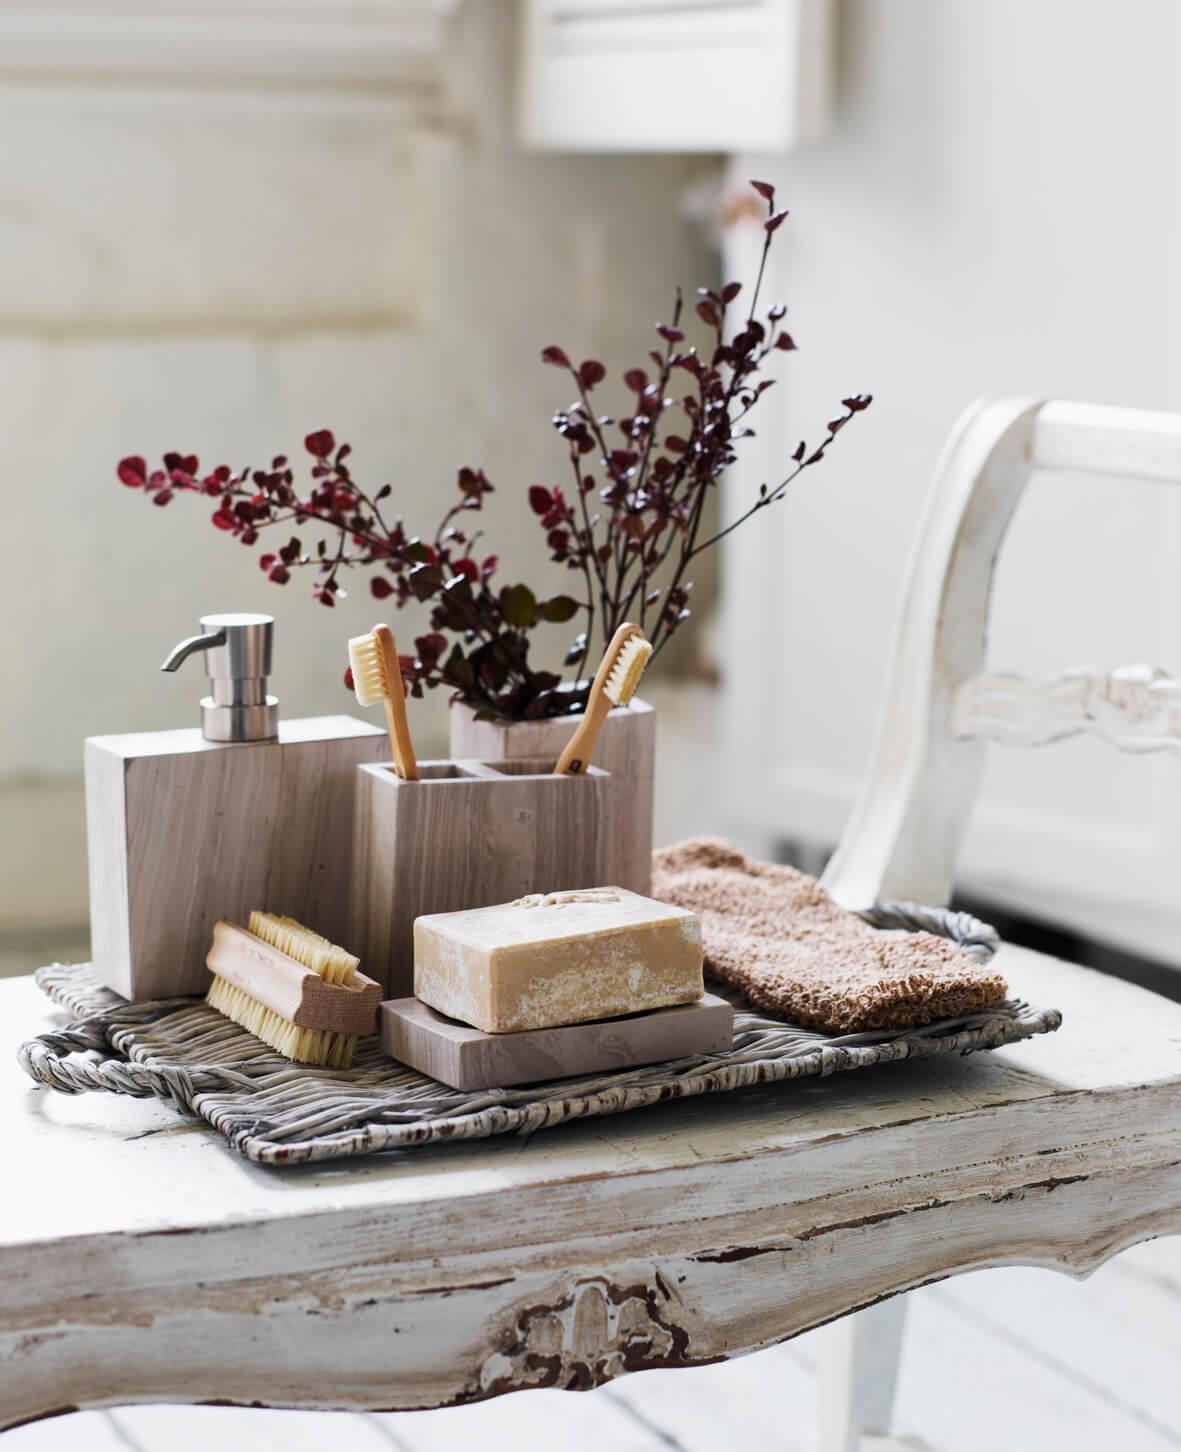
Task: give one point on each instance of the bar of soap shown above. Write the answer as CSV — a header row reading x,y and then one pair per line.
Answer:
x,y
465,1058
558,958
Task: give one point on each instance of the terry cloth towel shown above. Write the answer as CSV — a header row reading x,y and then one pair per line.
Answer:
x,y
775,934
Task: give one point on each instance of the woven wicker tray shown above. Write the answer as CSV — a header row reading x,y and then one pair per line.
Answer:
x,y
279,1113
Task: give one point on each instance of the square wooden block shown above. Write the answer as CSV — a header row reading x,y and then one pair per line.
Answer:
x,y
466,835
466,1058
182,831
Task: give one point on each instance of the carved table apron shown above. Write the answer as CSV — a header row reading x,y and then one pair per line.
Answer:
x,y
142,1260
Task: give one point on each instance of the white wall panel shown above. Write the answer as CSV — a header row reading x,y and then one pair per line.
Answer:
x,y
675,75
995,212
221,261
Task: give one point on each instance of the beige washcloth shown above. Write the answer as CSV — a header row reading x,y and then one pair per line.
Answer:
x,y
774,933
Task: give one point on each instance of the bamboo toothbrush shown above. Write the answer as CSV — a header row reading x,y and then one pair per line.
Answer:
x,y
292,988
378,677
614,684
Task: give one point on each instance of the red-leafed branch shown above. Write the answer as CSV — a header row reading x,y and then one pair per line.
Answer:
x,y
629,532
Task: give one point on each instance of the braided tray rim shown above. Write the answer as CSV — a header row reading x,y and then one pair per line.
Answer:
x,y
278,1113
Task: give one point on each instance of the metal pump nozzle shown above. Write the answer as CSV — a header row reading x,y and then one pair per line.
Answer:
x,y
237,661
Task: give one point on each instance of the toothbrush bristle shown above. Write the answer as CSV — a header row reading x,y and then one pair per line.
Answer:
x,y
369,680
624,676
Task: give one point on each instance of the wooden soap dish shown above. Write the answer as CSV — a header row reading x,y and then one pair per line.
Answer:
x,y
467,1058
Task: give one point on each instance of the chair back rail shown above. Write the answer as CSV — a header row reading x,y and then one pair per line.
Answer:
x,y
940,708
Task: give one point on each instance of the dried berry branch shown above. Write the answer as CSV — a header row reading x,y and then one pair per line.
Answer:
x,y
623,538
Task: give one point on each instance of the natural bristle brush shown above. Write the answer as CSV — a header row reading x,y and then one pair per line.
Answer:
x,y
378,677
292,988
614,684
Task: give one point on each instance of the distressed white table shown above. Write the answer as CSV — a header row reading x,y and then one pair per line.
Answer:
x,y
142,1260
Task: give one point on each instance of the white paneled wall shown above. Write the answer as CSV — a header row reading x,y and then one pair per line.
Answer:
x,y
995,212
222,225
663,75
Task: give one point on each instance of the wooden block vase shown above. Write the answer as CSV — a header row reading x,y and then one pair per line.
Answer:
x,y
467,834
626,748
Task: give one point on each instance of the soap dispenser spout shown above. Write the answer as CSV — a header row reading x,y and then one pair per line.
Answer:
x,y
180,653
237,654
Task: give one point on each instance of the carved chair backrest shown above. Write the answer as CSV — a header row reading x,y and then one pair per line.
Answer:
x,y
940,709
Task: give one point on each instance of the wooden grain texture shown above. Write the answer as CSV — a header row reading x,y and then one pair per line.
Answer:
x,y
466,835
296,993
466,1058
684,1235
626,749
395,705
182,831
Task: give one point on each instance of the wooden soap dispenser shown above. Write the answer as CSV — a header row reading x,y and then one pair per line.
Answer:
x,y
188,827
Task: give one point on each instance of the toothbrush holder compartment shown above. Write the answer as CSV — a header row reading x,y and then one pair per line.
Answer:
x,y
467,834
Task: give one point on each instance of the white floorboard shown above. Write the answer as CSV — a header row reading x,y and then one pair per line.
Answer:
x,y
967,1385
767,1400
203,1429
1067,1325
1158,1261
541,1419
90,1430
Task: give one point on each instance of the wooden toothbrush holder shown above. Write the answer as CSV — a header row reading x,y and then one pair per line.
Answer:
x,y
626,748
467,834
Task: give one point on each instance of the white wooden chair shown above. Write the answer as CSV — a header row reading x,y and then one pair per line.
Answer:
x,y
940,710
141,1260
